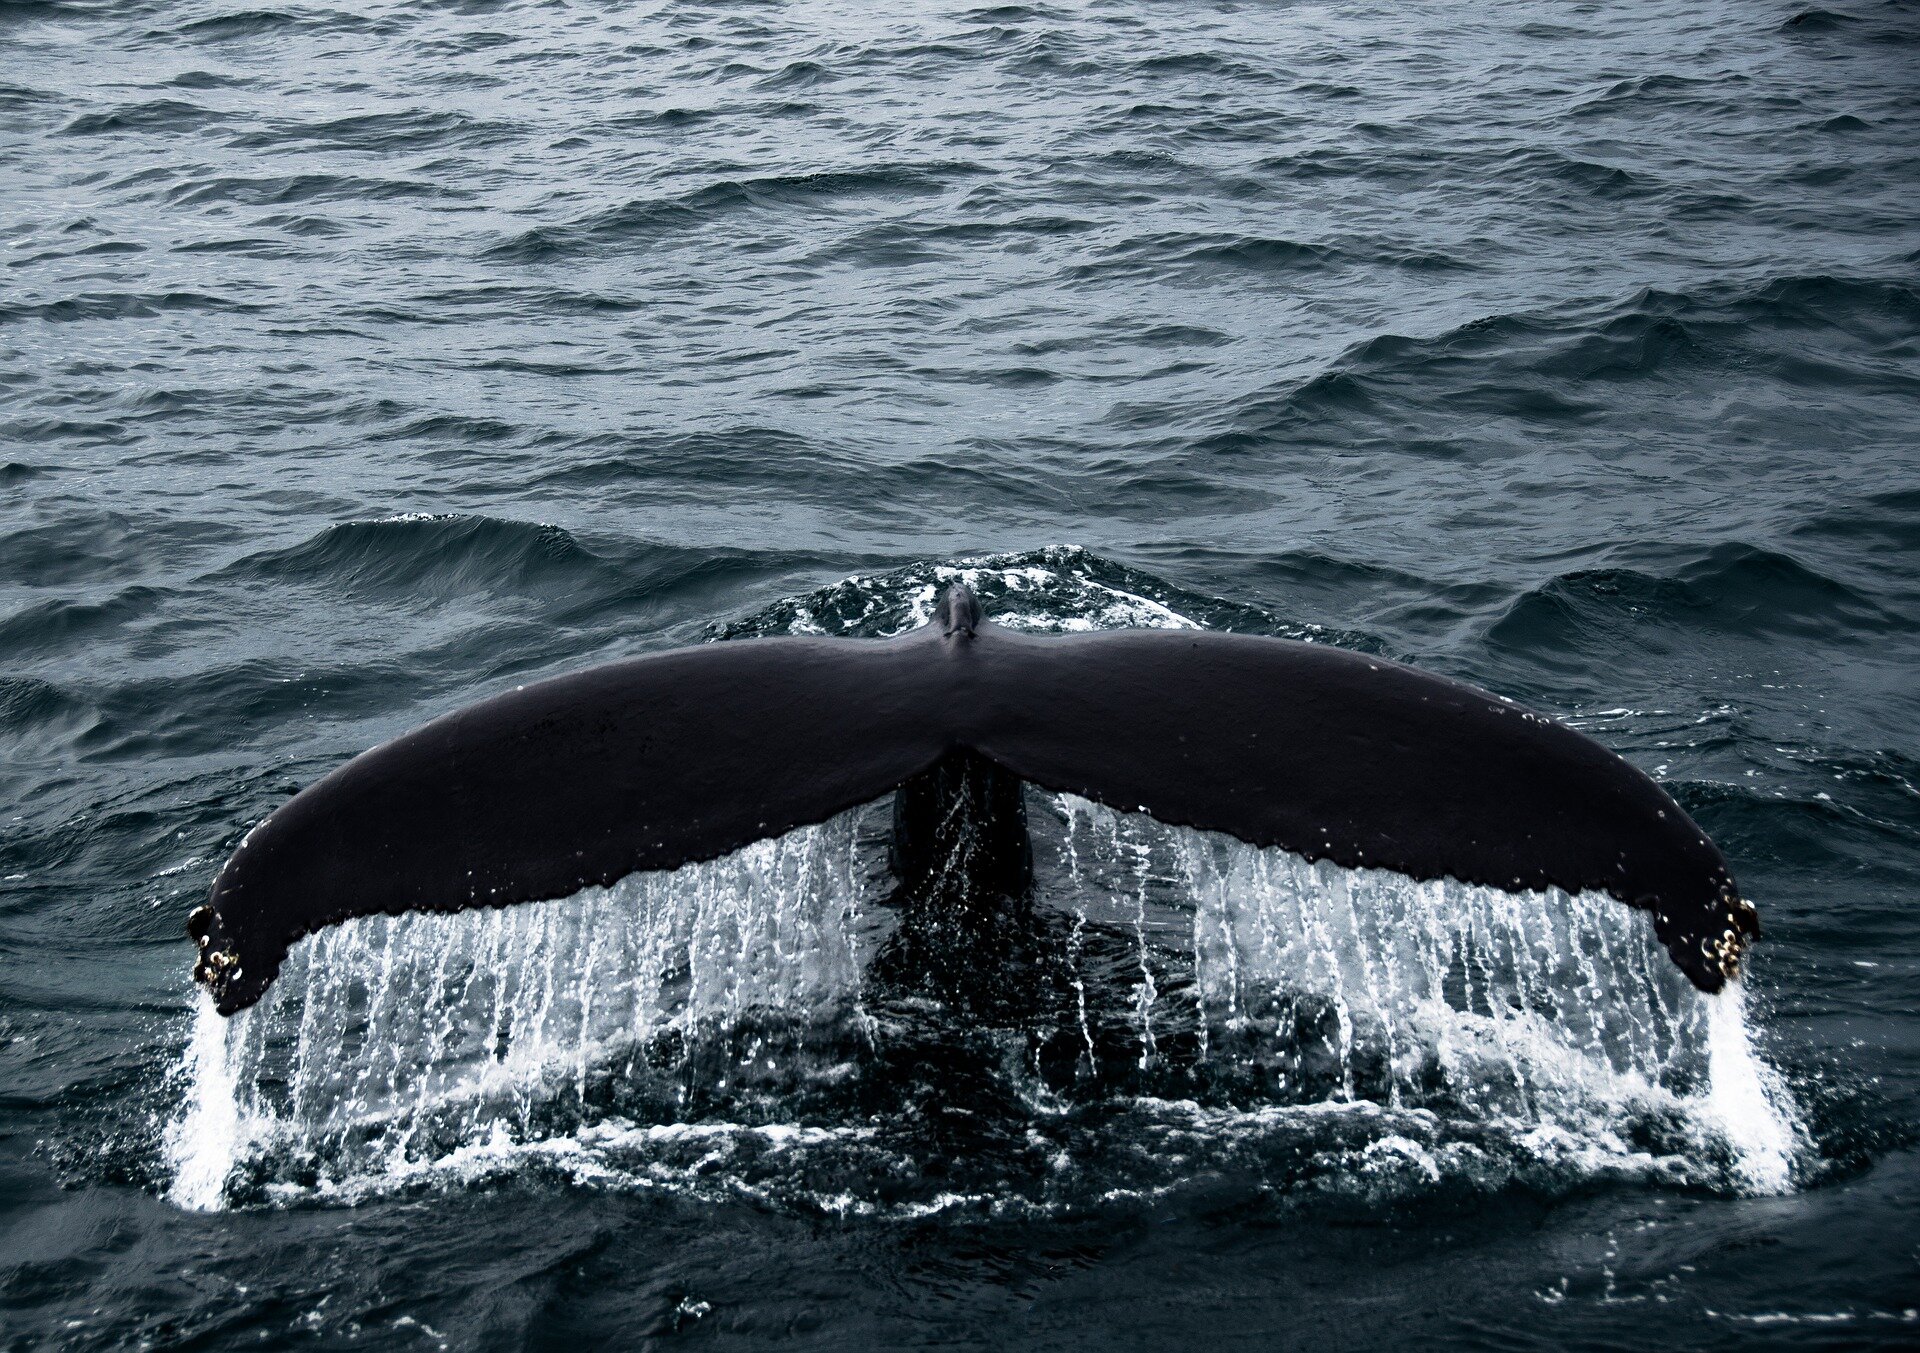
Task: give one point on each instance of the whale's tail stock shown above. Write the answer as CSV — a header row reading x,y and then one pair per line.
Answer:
x,y
683,756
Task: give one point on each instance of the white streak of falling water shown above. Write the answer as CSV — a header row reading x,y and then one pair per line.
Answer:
x,y
1076,942
203,1143
1749,1098
1147,994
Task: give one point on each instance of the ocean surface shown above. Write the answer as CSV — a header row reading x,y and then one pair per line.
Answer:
x,y
359,361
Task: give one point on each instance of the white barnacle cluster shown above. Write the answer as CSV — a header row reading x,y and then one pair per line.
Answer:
x,y
214,968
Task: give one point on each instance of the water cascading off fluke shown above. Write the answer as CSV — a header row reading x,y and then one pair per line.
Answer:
x,y
1192,968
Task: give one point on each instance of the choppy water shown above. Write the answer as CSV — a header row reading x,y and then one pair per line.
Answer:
x,y
357,361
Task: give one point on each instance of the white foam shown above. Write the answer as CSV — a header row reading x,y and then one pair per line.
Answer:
x,y
1054,590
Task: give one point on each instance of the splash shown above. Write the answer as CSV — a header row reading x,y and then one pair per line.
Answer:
x,y
1549,1019
1056,589
716,1031
391,1041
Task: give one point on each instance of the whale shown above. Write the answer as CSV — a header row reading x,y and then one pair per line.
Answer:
x,y
668,759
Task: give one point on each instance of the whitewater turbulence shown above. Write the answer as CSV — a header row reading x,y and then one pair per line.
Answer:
x,y
717,1029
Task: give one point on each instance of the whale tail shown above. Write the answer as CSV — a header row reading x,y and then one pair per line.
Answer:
x,y
676,757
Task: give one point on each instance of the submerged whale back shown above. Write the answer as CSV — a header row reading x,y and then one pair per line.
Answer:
x,y
665,760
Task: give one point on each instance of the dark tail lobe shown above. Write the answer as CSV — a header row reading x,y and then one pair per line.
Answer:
x,y
682,756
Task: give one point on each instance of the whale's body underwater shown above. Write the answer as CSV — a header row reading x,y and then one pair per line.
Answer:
x,y
673,758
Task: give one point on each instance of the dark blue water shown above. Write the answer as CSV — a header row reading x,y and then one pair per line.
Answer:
x,y
359,361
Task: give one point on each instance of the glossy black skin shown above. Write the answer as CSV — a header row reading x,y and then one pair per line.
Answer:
x,y
962,862
664,760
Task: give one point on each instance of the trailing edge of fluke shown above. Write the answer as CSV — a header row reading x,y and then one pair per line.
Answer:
x,y
676,757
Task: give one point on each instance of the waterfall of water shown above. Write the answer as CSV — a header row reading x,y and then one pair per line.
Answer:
x,y
398,1039
651,1015
1552,1014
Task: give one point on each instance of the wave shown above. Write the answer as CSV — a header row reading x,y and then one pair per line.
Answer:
x,y
648,219
206,79
29,702
801,74
1818,21
260,23
216,707
1555,366
244,24
59,624
1204,63
24,11
156,115
1888,520
22,98
1054,589
109,305
1665,95
461,429
897,243
88,431
418,560
1729,588
1156,254
1606,181
1880,313
397,132
98,546
272,190
1801,832
757,459
439,556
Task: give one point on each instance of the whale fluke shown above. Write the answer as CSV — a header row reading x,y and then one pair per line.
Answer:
x,y
665,760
